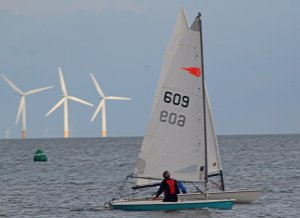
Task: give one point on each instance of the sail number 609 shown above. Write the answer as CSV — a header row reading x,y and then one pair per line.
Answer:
x,y
176,99
172,118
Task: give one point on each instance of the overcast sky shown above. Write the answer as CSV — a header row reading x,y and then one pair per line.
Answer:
x,y
251,53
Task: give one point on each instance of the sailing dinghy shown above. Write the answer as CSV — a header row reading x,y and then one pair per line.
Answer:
x,y
176,139
213,155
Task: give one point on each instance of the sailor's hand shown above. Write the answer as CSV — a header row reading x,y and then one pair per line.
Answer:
x,y
154,198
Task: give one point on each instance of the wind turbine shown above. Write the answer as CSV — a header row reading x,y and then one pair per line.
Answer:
x,y
102,104
22,105
64,100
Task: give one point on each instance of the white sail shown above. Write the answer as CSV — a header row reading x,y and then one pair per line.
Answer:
x,y
175,137
181,27
214,163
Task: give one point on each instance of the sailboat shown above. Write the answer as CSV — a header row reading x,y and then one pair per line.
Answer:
x,y
176,138
214,167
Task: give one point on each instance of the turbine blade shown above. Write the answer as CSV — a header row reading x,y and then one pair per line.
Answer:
x,y
62,82
97,110
61,101
14,87
117,98
98,88
21,105
80,100
38,90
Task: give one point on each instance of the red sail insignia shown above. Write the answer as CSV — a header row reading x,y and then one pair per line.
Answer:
x,y
193,70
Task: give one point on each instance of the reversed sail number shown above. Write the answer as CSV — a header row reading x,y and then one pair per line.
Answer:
x,y
172,118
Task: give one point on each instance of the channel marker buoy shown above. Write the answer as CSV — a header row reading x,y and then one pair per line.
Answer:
x,y
40,156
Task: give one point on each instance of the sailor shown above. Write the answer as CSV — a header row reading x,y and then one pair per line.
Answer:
x,y
170,188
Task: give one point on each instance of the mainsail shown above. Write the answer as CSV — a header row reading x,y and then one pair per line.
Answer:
x,y
175,136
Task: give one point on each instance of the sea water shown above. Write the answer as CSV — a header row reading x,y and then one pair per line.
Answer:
x,y
83,173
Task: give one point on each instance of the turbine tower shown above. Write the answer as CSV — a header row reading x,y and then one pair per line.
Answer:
x,y
22,105
64,100
102,104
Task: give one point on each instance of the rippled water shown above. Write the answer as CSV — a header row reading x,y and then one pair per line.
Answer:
x,y
81,174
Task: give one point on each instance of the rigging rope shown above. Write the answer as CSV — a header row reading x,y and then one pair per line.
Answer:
x,y
120,188
216,185
197,188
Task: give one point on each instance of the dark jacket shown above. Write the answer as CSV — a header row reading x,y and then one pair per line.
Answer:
x,y
169,187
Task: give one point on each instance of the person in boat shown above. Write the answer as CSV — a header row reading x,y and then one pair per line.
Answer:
x,y
170,188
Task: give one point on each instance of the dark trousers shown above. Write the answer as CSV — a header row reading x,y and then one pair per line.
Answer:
x,y
170,198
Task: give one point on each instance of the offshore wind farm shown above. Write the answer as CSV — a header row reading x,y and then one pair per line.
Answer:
x,y
62,102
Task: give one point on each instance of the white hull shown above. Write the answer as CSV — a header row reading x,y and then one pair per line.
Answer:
x,y
241,196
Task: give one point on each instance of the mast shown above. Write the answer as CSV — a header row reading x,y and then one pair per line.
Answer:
x,y
204,107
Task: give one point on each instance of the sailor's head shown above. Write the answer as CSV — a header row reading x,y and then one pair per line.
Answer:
x,y
166,174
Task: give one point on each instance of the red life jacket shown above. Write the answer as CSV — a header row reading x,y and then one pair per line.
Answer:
x,y
171,185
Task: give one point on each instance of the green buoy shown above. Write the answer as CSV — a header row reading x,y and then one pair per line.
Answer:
x,y
40,156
